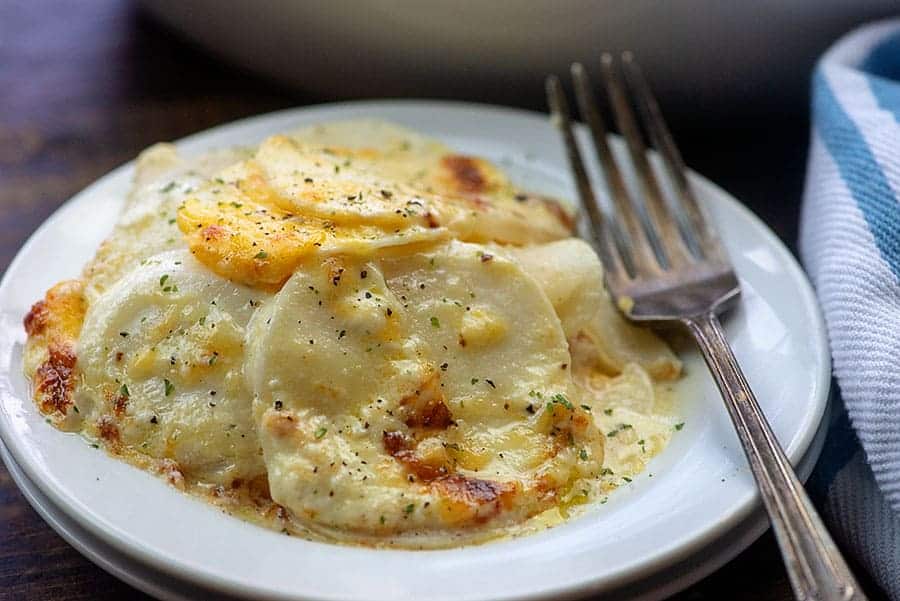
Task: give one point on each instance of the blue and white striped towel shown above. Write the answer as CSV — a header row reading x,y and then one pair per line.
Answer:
x,y
850,244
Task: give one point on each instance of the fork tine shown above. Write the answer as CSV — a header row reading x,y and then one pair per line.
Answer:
x,y
609,253
660,228
632,242
694,223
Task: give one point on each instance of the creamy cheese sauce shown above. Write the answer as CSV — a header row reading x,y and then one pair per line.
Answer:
x,y
352,334
644,435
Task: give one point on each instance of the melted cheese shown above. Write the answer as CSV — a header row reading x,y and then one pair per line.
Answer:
x,y
161,357
246,231
257,220
354,334
398,155
147,223
378,416
53,326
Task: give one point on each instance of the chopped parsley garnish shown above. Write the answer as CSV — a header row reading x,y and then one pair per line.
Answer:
x,y
213,358
409,508
170,388
261,255
679,426
562,400
607,412
321,432
583,455
123,391
123,334
618,429
162,280
435,323
586,407
169,187
606,472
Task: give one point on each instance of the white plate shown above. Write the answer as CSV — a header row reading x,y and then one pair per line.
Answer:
x,y
661,584
107,557
692,494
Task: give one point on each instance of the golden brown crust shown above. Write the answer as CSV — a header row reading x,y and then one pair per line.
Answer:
x,y
35,321
425,408
464,174
463,498
54,379
60,314
481,499
473,490
108,431
565,218
403,450
53,325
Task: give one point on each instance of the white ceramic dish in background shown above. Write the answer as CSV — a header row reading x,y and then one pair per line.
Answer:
x,y
701,55
694,493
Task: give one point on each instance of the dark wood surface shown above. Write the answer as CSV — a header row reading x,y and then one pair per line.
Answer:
x,y
84,86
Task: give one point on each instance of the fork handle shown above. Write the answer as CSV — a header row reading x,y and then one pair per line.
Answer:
x,y
816,569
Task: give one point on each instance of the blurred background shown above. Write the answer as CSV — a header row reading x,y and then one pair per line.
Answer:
x,y
85,85
706,57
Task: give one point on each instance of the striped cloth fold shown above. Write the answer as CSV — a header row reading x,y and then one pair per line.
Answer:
x,y
850,245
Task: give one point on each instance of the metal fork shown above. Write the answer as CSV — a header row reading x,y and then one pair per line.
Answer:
x,y
664,263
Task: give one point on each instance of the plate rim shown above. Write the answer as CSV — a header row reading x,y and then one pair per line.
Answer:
x,y
667,555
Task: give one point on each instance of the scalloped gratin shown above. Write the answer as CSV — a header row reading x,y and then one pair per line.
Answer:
x,y
351,333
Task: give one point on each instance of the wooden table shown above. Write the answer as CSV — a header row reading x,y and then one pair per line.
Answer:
x,y
84,86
